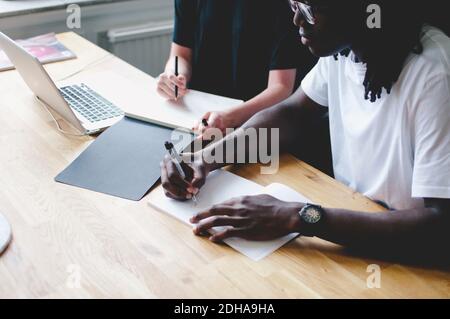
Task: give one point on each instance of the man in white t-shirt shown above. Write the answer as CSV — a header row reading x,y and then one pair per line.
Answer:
x,y
387,93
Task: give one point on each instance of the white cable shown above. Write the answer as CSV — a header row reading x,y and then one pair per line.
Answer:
x,y
56,121
65,78
91,64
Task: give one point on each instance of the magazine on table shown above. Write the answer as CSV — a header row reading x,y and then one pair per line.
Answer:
x,y
46,48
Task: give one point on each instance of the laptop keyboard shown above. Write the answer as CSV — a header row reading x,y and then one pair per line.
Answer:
x,y
88,103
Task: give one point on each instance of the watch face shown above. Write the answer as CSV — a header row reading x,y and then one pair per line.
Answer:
x,y
312,215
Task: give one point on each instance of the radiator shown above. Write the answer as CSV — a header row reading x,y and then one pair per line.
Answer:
x,y
147,47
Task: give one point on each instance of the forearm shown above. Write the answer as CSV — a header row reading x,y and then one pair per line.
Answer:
x,y
269,97
285,117
386,231
184,55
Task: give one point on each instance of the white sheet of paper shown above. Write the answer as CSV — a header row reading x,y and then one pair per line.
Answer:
x,y
221,186
5,233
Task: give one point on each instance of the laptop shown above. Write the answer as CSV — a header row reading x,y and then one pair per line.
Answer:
x,y
83,108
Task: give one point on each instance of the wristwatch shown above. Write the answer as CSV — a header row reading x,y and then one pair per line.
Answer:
x,y
311,216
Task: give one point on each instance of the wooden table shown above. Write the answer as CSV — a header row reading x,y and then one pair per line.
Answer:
x,y
70,242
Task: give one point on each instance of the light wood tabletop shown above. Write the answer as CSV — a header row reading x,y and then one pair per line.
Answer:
x,y
73,243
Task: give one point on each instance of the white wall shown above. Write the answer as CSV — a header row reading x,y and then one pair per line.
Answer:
x,y
95,19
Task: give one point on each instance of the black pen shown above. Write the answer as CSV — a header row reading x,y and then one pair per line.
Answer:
x,y
205,142
176,74
177,160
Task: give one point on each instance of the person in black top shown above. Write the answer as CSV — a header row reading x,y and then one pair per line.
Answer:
x,y
243,49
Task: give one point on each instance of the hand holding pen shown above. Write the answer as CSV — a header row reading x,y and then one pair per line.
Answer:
x,y
172,84
180,180
221,120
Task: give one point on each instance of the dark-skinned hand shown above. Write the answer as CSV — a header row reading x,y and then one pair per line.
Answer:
x,y
260,218
175,186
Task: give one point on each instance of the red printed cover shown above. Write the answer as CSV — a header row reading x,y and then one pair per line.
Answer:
x,y
45,47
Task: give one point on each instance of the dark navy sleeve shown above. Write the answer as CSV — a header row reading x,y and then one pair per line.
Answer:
x,y
185,20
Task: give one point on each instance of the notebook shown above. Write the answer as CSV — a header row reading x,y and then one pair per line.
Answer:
x,y
221,186
182,113
140,100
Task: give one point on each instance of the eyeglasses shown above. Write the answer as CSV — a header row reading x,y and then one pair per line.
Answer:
x,y
308,11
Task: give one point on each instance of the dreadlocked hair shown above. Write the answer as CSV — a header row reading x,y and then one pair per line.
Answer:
x,y
386,49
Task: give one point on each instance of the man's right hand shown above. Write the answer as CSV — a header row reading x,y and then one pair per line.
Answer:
x,y
167,82
178,188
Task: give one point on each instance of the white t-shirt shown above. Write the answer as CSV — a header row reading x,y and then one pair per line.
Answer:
x,y
396,150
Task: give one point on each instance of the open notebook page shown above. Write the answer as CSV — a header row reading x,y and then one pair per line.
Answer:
x,y
221,186
182,113
140,100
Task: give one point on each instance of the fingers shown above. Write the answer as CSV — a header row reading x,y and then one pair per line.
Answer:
x,y
213,211
196,126
173,174
179,81
174,185
189,171
216,124
228,233
199,126
211,119
197,183
216,121
162,93
171,81
166,92
217,221
171,190
166,86
199,179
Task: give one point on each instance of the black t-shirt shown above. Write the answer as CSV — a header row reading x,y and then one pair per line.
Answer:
x,y
236,43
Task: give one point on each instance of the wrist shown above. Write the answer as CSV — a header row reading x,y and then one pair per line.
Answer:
x,y
295,224
208,166
184,68
236,116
